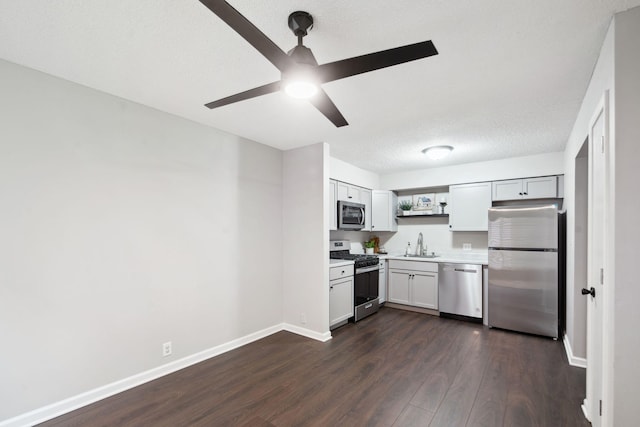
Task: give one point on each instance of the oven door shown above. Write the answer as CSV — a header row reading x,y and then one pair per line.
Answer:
x,y
365,289
350,215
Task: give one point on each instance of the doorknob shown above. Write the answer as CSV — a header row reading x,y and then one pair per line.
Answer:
x,y
591,292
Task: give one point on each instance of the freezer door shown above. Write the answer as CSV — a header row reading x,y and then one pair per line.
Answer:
x,y
523,291
523,227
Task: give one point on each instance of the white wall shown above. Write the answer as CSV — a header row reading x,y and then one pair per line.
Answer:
x,y
122,227
516,167
624,208
306,240
436,236
601,80
345,172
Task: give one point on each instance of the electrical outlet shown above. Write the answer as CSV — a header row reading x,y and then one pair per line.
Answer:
x,y
166,349
466,246
303,318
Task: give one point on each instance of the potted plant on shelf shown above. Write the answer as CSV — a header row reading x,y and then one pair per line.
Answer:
x,y
404,207
369,246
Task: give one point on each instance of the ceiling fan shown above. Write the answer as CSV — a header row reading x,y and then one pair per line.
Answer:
x,y
301,74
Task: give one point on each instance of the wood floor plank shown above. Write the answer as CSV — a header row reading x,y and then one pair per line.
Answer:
x,y
412,416
395,368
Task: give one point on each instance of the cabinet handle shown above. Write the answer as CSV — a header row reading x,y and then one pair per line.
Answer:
x,y
520,194
342,272
330,287
525,193
349,197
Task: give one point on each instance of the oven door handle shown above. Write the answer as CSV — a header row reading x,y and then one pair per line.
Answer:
x,y
362,220
367,269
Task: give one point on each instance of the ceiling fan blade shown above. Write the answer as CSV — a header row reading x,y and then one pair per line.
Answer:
x,y
250,33
325,105
374,61
251,93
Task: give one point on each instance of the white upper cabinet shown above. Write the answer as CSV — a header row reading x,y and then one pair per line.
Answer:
x,y
383,210
349,192
333,204
527,188
365,198
468,206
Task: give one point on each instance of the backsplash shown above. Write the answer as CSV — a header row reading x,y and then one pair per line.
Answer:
x,y
435,231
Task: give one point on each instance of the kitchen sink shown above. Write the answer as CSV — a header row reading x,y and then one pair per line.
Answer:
x,y
432,255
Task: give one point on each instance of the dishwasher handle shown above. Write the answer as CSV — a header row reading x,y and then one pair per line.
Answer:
x,y
465,270
460,268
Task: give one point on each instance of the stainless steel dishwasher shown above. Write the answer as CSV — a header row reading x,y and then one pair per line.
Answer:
x,y
460,289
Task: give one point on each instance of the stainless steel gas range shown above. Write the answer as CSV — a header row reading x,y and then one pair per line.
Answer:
x,y
365,283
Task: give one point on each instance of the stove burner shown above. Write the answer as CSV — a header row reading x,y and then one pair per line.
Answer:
x,y
360,260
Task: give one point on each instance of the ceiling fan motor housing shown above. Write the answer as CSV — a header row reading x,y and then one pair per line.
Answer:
x,y
300,22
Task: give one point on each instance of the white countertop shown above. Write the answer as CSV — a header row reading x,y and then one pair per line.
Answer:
x,y
339,262
461,257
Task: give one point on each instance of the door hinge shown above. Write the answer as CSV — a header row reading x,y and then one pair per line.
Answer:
x,y
600,407
602,276
602,144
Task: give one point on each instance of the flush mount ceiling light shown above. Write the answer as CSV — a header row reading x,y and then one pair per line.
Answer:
x,y
437,152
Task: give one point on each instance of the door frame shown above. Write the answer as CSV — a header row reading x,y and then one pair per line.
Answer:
x,y
596,372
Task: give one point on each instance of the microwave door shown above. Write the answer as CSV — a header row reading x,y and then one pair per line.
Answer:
x,y
351,216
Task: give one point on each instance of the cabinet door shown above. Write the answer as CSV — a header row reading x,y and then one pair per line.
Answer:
x,y
343,191
340,300
424,290
365,198
382,282
507,190
383,207
540,188
333,204
469,206
398,287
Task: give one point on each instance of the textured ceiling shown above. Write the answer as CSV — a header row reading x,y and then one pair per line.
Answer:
x,y
508,81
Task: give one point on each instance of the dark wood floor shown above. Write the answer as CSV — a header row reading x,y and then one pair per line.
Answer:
x,y
395,368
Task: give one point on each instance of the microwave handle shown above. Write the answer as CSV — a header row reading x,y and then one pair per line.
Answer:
x,y
362,221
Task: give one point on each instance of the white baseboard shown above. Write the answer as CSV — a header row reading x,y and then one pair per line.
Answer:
x,y
307,332
585,410
579,362
67,405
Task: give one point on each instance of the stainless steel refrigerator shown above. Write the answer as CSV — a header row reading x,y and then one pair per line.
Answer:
x,y
526,269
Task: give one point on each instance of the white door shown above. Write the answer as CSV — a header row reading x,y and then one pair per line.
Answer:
x,y
598,141
469,204
540,188
398,287
507,190
424,290
340,300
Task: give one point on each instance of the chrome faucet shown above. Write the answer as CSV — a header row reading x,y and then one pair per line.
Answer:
x,y
420,246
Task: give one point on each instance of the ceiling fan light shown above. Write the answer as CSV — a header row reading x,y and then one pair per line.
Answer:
x,y
437,152
300,89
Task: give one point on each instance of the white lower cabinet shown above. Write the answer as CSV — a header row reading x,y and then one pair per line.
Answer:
x,y
424,288
340,295
413,283
382,281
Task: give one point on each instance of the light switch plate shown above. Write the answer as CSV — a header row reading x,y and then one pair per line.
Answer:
x,y
466,246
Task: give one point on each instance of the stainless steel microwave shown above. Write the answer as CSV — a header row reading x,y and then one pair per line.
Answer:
x,y
350,215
